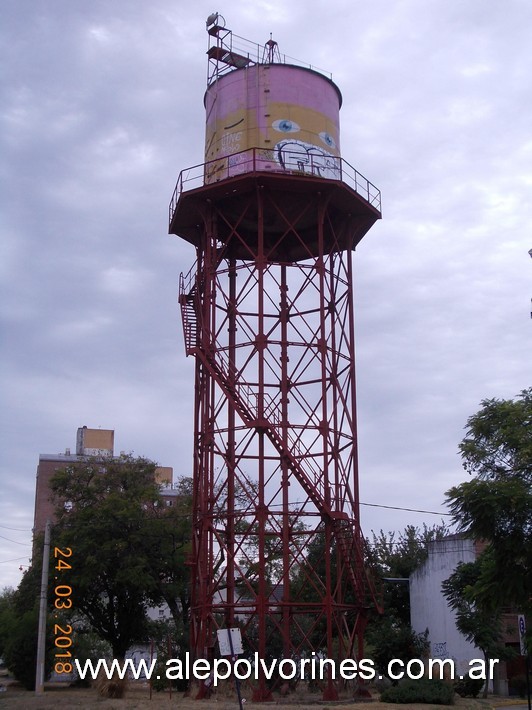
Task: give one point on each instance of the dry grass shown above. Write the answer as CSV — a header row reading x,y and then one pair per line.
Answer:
x,y
138,698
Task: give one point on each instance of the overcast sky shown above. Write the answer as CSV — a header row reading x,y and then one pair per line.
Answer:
x,y
102,106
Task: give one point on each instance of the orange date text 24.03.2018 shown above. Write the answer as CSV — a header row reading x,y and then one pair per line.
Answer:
x,y
62,600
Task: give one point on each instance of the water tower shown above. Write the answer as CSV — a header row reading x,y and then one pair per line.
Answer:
x,y
274,213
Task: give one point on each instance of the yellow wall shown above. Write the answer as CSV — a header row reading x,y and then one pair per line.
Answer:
x,y
164,474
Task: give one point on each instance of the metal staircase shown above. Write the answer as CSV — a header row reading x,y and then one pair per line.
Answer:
x,y
189,311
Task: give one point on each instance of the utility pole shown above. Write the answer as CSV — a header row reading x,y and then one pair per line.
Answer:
x,y
41,638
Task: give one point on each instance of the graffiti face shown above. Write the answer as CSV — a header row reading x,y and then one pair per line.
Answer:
x,y
308,149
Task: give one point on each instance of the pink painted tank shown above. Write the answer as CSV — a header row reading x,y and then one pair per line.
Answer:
x,y
272,117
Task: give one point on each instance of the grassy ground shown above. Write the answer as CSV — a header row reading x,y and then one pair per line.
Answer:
x,y
138,697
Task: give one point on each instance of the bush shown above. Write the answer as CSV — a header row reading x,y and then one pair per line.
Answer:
x,y
88,646
391,640
159,681
424,690
20,652
468,687
517,685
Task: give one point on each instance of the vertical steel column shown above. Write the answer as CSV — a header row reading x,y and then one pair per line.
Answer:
x,y
262,692
330,692
230,454
284,391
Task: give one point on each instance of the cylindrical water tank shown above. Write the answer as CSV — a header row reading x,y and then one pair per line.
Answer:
x,y
272,117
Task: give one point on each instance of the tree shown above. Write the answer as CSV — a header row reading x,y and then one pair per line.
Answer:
x,y
498,444
171,534
19,621
397,556
110,513
481,625
496,505
20,653
397,641
7,616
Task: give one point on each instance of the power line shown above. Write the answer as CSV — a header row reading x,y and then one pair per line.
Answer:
x,y
26,544
293,511
14,559
6,527
410,510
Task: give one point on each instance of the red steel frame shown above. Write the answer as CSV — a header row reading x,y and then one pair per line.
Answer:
x,y
268,314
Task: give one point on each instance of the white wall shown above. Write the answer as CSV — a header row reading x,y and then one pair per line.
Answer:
x,y
428,606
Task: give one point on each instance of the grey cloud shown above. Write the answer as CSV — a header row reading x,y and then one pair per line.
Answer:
x,y
103,105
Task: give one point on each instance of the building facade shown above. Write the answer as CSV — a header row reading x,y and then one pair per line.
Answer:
x,y
430,611
89,442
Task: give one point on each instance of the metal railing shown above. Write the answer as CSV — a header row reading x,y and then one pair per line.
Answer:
x,y
251,52
287,162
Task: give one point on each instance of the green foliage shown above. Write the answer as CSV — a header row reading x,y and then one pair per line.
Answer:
x,y
128,547
396,641
169,641
27,594
87,645
395,555
7,616
433,692
517,685
20,652
19,623
170,533
468,687
313,564
479,623
496,505
498,444
388,555
159,681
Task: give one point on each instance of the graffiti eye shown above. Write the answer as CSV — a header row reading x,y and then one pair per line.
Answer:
x,y
286,126
328,140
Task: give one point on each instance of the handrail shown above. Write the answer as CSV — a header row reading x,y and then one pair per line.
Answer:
x,y
282,162
253,52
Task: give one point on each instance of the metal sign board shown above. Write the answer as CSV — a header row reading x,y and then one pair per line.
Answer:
x,y
230,642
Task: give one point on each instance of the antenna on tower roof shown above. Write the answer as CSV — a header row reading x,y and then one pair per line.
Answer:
x,y
271,52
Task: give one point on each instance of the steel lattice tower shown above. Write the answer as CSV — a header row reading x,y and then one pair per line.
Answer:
x,y
268,315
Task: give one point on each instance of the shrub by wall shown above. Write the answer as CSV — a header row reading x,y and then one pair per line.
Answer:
x,y
424,690
468,687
